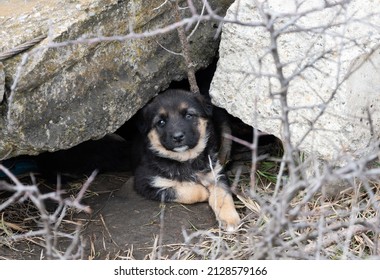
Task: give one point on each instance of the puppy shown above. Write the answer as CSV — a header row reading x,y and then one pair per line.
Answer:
x,y
179,160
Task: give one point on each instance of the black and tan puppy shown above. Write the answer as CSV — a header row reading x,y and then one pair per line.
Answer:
x,y
180,157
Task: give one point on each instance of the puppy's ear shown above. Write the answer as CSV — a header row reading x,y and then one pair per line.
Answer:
x,y
206,104
142,121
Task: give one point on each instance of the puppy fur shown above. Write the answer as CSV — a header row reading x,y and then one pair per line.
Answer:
x,y
179,160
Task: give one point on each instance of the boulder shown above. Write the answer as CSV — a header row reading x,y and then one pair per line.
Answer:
x,y
333,66
66,89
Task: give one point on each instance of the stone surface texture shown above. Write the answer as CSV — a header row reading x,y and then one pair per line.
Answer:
x,y
62,92
334,102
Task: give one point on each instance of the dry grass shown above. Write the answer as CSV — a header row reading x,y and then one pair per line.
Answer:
x,y
340,226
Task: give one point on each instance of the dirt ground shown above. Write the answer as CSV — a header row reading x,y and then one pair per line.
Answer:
x,y
124,222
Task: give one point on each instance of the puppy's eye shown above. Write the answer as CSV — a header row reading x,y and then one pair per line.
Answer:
x,y
161,123
189,116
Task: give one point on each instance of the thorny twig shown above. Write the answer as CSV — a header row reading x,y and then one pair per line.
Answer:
x,y
186,50
50,223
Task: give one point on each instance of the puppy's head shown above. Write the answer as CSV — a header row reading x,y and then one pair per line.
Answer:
x,y
176,124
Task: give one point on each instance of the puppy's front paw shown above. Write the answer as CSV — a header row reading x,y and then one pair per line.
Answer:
x,y
223,206
229,218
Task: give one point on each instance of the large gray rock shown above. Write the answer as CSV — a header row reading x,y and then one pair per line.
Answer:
x,y
68,94
334,103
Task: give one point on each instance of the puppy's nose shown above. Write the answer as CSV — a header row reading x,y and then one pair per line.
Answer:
x,y
178,136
